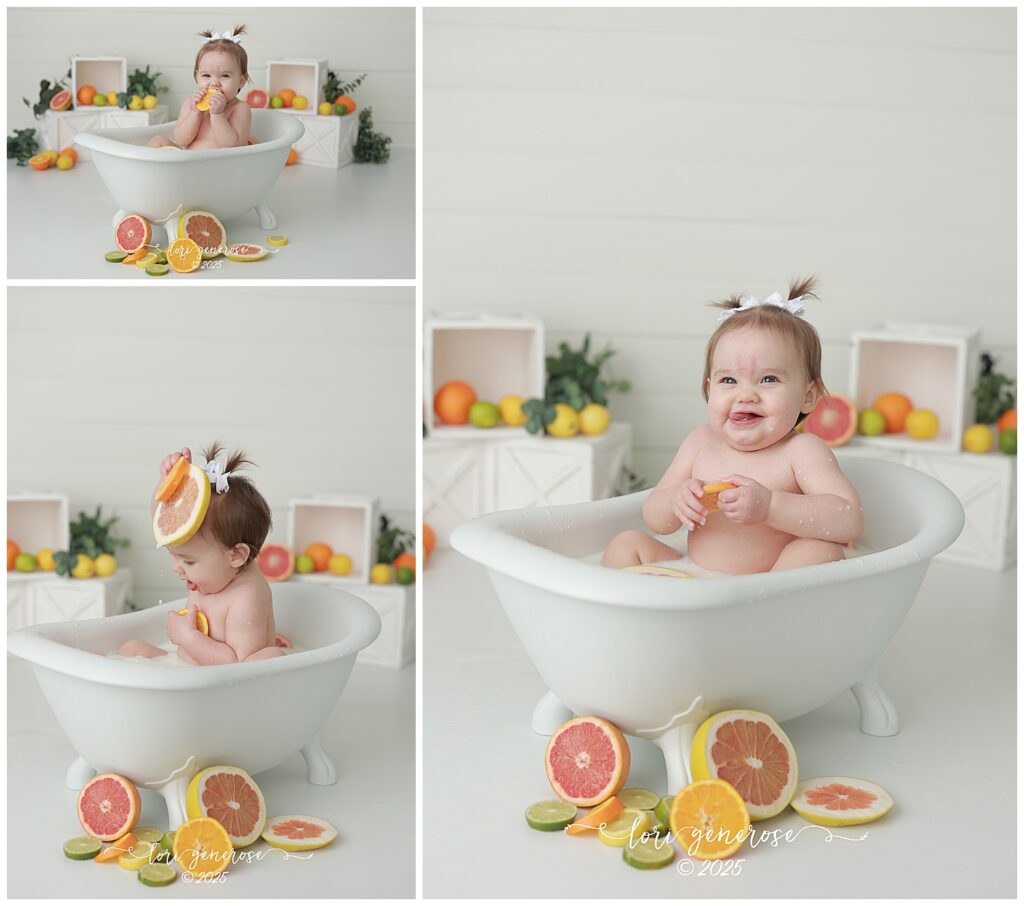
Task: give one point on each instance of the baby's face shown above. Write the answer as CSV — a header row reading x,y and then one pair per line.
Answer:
x,y
757,389
219,70
204,565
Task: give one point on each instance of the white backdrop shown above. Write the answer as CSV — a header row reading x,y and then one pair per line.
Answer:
x,y
379,42
613,170
317,385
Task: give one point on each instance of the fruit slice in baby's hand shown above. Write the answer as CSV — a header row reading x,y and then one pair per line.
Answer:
x,y
711,492
204,104
202,624
170,484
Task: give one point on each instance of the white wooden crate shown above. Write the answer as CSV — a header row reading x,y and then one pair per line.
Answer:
x,y
58,130
935,365
345,522
328,141
38,520
49,598
396,606
105,74
464,478
496,354
305,77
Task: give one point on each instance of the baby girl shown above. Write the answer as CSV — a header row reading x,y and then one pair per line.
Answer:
x,y
217,566
791,505
213,117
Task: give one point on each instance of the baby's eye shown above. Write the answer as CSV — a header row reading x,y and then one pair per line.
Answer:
x,y
727,380
770,377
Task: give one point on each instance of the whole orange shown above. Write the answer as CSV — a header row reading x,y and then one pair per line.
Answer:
x,y
894,408
287,95
429,540
85,95
1007,420
405,559
320,554
452,402
12,553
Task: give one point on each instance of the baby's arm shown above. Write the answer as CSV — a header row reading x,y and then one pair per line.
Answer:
x,y
676,497
245,628
193,646
188,120
232,130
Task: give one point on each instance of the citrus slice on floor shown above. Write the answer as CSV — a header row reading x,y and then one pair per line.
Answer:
x,y
246,252
202,624
137,255
839,801
205,230
82,848
132,233
297,833
158,270
108,806
157,874
550,815
587,760
118,848
649,854
709,819
638,798
202,847
630,823
711,492
602,814
277,239
748,750
661,812
140,854
116,257
232,797
184,255
148,835
178,518
146,260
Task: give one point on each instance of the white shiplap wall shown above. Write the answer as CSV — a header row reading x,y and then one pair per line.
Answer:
x,y
379,42
613,170
316,384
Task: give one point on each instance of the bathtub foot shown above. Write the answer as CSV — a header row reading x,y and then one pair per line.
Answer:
x,y
267,219
549,714
675,746
318,763
878,715
79,774
119,216
174,795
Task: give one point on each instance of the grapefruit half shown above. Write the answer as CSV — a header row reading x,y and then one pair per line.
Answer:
x,y
296,833
178,518
834,420
205,230
587,761
109,806
257,99
276,562
839,801
748,750
60,101
132,233
230,796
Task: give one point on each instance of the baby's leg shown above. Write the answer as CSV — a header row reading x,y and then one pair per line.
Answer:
x,y
807,552
634,548
161,141
134,648
264,653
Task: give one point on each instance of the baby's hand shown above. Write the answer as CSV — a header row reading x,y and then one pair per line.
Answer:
x,y
686,503
217,103
198,96
171,458
180,626
746,504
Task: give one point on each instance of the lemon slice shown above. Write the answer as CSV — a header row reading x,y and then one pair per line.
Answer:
x,y
140,854
277,239
628,822
146,260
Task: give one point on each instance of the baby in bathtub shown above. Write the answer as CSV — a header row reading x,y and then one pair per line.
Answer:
x,y
221,69
218,568
791,505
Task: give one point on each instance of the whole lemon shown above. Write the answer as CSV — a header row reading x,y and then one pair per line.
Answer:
x,y
65,162
84,567
135,103
325,109
484,414
381,574
340,564
25,563
566,422
594,419
299,102
511,408
45,561
149,101
921,424
105,565
112,98
871,422
978,439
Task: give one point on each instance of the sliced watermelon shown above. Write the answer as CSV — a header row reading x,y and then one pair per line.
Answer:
x,y
257,99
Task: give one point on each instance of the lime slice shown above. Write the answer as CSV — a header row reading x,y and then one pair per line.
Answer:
x,y
649,853
628,822
165,851
550,815
156,875
277,239
82,848
116,257
157,270
638,799
662,810
140,854
148,834
146,260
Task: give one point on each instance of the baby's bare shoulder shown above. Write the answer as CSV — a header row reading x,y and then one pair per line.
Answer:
x,y
249,598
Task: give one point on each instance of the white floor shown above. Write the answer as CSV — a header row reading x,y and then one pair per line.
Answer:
x,y
952,770
370,735
358,222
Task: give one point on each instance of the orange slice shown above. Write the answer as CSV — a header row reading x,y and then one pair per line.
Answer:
x,y
204,104
711,492
137,255
170,484
202,624
184,255
709,819
202,846
601,814
118,848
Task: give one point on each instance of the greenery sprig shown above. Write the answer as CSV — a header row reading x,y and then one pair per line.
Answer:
x,y
47,90
371,147
141,83
392,541
993,395
334,87
92,536
22,145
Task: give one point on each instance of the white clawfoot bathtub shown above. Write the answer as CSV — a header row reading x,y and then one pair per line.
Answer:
x,y
656,655
159,726
161,184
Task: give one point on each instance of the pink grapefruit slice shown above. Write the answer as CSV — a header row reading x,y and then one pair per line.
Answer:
x,y
228,795
839,801
178,518
297,833
276,561
834,420
205,230
749,751
132,233
109,806
587,761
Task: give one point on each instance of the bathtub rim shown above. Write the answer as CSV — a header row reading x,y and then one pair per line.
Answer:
x,y
103,141
35,645
489,541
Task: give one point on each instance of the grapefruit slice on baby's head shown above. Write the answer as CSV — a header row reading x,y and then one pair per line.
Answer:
x,y
178,518
587,761
178,472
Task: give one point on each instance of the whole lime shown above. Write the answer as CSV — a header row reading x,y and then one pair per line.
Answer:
x,y
405,575
341,109
304,564
1008,441
484,414
277,102
25,563
871,422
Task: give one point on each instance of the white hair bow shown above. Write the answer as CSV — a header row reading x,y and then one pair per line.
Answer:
x,y
226,36
218,477
793,306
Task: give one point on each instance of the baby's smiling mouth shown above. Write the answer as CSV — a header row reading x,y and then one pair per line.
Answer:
x,y
744,418
191,586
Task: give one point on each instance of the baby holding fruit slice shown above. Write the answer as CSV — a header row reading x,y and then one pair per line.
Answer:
x,y
226,591
213,117
786,502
